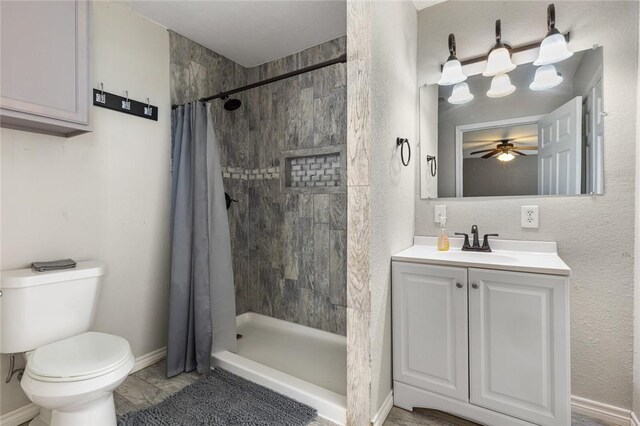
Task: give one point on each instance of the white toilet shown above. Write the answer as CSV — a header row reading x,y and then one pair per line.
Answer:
x,y
71,372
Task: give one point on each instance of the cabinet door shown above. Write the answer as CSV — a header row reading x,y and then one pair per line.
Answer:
x,y
430,328
44,78
519,345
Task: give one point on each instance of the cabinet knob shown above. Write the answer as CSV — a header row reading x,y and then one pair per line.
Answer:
x,y
459,285
474,285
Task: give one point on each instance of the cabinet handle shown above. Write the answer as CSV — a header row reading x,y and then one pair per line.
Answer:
x,y
459,285
474,285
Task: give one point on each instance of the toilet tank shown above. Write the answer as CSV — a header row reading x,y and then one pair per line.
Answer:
x,y
37,308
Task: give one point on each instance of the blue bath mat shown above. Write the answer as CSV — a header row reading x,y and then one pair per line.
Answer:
x,y
224,399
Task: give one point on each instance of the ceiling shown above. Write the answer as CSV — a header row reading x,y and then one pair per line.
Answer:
x,y
250,32
423,4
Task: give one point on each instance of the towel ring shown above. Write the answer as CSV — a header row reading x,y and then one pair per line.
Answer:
x,y
433,164
400,142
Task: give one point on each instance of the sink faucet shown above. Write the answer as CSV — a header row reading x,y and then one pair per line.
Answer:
x,y
476,242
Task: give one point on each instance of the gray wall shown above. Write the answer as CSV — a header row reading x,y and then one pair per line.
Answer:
x,y
490,177
596,244
289,250
102,195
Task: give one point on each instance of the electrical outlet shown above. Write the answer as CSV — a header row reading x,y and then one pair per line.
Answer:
x,y
439,211
530,217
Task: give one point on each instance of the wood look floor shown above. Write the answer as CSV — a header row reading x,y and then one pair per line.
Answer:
x,y
150,386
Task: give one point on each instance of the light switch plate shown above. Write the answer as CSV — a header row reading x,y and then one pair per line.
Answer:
x,y
530,217
439,211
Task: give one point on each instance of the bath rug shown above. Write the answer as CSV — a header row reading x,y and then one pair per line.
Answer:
x,y
224,399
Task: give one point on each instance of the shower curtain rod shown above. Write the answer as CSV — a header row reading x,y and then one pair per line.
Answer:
x,y
340,59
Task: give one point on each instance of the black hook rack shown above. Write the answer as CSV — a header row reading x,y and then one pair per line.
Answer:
x,y
124,104
401,142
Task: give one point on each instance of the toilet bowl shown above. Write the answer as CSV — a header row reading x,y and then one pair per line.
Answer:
x,y
73,380
71,372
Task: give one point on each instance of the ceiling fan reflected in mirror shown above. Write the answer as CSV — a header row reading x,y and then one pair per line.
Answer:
x,y
505,150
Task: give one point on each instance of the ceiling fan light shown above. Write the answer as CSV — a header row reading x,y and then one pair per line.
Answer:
x,y
506,156
499,62
460,94
452,73
546,78
501,86
553,49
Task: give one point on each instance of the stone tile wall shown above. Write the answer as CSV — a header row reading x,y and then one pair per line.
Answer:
x,y
289,249
318,171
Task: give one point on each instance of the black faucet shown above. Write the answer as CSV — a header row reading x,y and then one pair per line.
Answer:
x,y
476,242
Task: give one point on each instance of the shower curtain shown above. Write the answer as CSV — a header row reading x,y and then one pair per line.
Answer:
x,y
201,296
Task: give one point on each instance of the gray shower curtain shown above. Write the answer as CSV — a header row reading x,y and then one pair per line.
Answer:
x,y
202,301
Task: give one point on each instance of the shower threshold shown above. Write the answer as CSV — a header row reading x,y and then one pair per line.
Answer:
x,y
303,363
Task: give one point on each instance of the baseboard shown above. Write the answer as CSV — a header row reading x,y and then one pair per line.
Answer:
x,y
383,411
149,359
20,415
634,419
30,411
600,411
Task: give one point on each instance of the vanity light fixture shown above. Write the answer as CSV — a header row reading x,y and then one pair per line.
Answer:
x,y
506,156
452,69
501,86
499,61
546,78
554,46
460,94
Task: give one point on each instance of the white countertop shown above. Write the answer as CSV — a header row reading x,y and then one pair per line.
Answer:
x,y
507,255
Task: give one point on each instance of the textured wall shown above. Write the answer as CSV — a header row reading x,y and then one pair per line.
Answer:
x,y
289,250
594,234
382,95
489,177
102,195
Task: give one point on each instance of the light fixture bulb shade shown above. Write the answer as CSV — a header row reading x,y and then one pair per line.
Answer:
x,y
546,78
501,86
506,156
553,49
499,62
452,73
460,94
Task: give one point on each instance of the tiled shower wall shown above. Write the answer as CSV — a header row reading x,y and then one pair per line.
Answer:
x,y
289,248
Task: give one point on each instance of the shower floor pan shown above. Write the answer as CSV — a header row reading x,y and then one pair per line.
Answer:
x,y
304,363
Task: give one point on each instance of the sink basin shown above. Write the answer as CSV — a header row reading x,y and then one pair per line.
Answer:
x,y
470,256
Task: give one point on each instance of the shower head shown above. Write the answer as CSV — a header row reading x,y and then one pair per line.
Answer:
x,y
231,104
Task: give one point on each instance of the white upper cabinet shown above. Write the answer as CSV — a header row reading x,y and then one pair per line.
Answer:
x,y
430,328
44,67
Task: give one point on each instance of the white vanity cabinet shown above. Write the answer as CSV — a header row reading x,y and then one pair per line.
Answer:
x,y
45,66
490,345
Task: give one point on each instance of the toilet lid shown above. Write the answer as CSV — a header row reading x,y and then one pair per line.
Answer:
x,y
79,357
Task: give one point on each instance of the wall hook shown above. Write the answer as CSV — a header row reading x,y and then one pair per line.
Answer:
x,y
148,110
400,142
126,104
100,97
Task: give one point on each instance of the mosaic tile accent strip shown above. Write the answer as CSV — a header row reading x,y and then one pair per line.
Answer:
x,y
251,174
321,170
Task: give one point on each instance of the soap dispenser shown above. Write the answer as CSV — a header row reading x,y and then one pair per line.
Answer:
x,y
443,238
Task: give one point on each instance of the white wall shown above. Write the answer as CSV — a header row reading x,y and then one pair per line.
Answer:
x,y
636,325
103,195
394,102
595,235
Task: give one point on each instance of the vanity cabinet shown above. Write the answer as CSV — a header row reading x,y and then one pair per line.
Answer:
x,y
45,68
488,345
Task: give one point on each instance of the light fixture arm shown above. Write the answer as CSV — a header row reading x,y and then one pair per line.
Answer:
x,y
452,47
551,17
551,20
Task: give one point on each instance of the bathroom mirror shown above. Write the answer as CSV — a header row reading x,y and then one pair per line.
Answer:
x,y
543,135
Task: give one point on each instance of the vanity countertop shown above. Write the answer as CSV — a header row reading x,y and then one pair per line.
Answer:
x,y
510,255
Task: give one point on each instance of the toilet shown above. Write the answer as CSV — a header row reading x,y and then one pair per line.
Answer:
x,y
71,372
